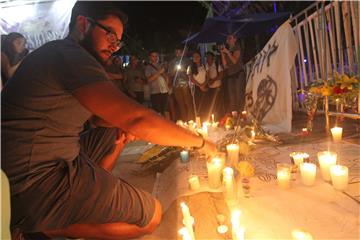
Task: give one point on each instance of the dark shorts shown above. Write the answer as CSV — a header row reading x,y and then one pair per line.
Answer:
x,y
81,192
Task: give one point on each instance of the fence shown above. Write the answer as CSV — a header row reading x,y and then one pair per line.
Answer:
x,y
328,40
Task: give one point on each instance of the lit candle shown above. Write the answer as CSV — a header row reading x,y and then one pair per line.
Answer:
x,y
326,160
214,167
233,154
214,124
239,234
283,175
184,156
212,118
304,131
188,220
234,114
253,134
222,229
336,133
237,230
229,184
180,123
308,173
300,235
194,182
184,232
235,219
205,129
227,127
198,122
299,157
185,211
339,176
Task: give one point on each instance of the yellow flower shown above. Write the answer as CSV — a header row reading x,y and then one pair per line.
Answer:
x,y
326,91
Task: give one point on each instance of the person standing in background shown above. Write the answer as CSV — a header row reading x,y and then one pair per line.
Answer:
x,y
214,74
135,79
158,83
234,74
13,51
180,84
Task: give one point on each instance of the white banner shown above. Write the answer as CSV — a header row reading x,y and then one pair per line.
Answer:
x,y
39,21
268,89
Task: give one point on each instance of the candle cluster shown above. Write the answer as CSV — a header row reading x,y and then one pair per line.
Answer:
x,y
330,171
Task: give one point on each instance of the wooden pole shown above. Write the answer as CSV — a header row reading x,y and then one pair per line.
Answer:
x,y
355,24
338,35
323,29
332,37
347,30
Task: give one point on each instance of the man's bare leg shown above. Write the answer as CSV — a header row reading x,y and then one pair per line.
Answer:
x,y
108,231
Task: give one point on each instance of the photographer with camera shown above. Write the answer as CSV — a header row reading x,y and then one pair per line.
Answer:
x,y
234,74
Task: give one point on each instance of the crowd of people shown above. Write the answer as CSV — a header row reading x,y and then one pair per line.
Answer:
x,y
186,86
69,108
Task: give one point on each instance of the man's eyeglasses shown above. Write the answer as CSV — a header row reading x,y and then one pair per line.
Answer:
x,y
110,34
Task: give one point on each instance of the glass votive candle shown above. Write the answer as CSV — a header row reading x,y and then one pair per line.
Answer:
x,y
283,175
326,160
214,167
308,173
233,154
336,133
229,184
339,176
184,156
194,182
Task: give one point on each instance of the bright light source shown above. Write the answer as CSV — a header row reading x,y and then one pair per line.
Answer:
x,y
178,67
305,60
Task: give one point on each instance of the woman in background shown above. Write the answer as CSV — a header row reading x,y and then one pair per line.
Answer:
x,y
13,52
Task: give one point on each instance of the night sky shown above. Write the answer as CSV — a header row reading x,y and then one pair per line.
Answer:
x,y
162,25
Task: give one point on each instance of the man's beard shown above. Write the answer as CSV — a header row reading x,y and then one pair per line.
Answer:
x,y
87,43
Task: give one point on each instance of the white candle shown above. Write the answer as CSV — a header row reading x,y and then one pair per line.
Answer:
x,y
308,173
214,167
253,134
300,235
336,133
235,219
222,229
283,175
212,118
184,156
233,154
184,232
198,122
194,182
326,160
298,158
339,176
229,184
185,211
205,129
239,234
237,230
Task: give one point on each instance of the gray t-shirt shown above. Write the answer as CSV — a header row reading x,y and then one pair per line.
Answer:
x,y
159,85
134,77
41,119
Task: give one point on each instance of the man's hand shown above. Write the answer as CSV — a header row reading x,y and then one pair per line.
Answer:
x,y
209,148
124,137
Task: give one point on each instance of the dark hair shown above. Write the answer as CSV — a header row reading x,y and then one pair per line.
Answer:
x,y
210,53
96,10
8,49
153,51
